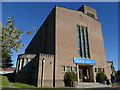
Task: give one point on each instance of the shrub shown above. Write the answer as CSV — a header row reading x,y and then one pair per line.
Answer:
x,y
69,78
118,76
100,77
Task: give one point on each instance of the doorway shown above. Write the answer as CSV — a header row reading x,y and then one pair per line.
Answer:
x,y
85,73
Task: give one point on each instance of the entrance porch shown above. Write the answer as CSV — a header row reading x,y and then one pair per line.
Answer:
x,y
85,69
85,73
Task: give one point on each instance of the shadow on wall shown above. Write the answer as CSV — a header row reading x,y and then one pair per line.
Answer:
x,y
29,73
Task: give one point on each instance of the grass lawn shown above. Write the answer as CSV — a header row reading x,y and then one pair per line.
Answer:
x,y
117,84
21,85
4,80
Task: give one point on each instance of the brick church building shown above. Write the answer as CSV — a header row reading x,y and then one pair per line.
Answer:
x,y
68,40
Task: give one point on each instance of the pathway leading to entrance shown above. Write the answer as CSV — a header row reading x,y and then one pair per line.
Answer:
x,y
10,85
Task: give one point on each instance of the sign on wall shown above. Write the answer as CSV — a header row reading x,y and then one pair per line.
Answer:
x,y
84,61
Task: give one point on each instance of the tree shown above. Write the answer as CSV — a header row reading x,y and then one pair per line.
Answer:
x,y
11,37
6,60
11,40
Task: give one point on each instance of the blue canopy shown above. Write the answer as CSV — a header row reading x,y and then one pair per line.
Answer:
x,y
84,61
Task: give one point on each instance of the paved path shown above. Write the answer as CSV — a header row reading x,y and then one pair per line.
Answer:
x,y
10,85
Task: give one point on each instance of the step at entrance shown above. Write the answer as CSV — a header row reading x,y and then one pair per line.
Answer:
x,y
90,85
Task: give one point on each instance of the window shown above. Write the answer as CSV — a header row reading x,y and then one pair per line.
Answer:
x,y
91,15
69,68
95,70
30,59
103,70
74,69
18,65
99,69
63,68
83,42
86,43
22,62
26,61
78,39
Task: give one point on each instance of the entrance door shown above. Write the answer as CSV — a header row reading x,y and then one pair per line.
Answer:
x,y
85,74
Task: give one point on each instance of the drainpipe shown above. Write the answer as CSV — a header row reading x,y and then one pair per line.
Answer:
x,y
42,79
93,74
78,71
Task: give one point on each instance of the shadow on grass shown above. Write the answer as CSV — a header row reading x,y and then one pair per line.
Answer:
x,y
10,77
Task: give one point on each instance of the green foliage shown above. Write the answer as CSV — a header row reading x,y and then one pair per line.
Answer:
x,y
11,37
70,77
6,60
100,77
117,84
36,29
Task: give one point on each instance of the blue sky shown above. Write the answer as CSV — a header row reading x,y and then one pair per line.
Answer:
x,y
28,15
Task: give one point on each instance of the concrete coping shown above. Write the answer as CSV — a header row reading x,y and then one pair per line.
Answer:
x,y
46,55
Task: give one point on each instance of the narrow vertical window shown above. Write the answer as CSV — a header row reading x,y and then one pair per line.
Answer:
x,y
87,43
18,64
82,41
26,61
78,40
22,62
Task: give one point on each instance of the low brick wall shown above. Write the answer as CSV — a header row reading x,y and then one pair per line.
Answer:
x,y
59,83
